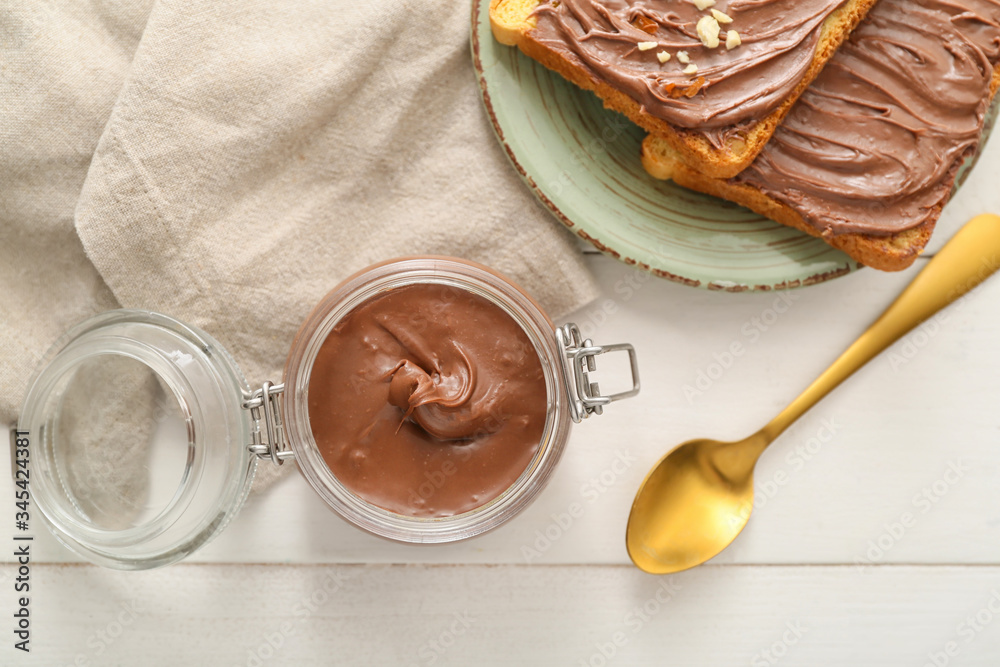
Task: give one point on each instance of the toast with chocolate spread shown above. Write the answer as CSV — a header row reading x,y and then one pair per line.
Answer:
x,y
869,155
711,78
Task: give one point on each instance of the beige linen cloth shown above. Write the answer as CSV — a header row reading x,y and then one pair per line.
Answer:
x,y
227,162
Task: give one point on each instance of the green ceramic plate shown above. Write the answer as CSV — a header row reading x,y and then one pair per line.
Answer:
x,y
582,161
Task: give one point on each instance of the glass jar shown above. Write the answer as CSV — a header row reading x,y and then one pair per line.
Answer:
x,y
199,466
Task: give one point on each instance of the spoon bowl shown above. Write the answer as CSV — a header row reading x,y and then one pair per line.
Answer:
x,y
698,498
666,532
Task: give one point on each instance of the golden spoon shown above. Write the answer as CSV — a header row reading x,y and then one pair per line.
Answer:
x,y
698,498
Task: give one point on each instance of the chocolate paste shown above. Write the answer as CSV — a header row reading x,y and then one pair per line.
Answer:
x,y
427,400
874,145
741,86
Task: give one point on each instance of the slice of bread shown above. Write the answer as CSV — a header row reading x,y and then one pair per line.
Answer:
x,y
890,253
734,148
897,97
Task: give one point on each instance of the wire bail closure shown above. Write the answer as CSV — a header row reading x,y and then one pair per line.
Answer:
x,y
265,413
578,360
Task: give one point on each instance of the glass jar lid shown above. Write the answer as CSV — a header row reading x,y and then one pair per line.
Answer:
x,y
138,441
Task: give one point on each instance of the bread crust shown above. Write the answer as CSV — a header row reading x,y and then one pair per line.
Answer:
x,y
512,23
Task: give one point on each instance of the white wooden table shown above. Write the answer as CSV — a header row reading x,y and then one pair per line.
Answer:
x,y
875,541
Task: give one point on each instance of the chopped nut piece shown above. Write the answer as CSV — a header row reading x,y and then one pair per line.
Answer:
x,y
702,5
693,89
708,31
721,17
645,24
691,69
646,46
682,57
733,39
663,56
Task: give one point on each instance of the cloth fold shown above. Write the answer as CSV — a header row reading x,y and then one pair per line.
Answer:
x,y
255,154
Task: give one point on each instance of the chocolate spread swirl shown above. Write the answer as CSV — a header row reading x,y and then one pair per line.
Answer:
x,y
874,145
741,85
427,400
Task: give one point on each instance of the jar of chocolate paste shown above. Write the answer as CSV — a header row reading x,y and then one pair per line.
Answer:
x,y
425,399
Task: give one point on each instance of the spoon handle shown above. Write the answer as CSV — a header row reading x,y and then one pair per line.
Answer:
x,y
971,256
